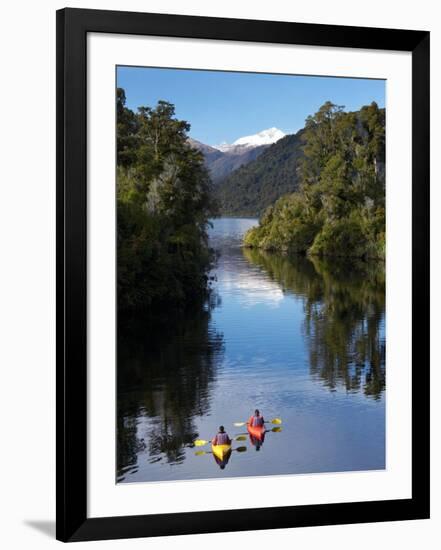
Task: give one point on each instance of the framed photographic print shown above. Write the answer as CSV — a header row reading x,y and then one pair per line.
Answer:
x,y
242,274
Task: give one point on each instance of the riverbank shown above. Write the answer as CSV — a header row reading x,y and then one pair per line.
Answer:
x,y
289,227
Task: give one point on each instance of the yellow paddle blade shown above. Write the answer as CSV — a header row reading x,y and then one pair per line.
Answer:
x,y
241,438
200,442
239,424
276,429
276,421
200,453
241,449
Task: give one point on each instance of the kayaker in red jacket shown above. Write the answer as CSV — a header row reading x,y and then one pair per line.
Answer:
x,y
221,438
256,420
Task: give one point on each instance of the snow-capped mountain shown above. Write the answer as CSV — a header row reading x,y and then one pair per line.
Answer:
x,y
265,137
223,159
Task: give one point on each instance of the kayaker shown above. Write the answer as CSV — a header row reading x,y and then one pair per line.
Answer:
x,y
256,420
221,438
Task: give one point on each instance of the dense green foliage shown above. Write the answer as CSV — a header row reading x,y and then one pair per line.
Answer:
x,y
163,202
250,189
339,208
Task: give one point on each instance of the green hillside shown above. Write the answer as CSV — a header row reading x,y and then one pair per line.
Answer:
x,y
339,207
250,189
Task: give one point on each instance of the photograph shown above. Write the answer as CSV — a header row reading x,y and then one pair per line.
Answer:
x,y
250,243
217,275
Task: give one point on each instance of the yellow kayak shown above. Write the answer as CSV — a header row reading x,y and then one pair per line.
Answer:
x,y
221,451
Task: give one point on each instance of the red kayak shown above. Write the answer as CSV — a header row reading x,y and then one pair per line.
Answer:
x,y
257,432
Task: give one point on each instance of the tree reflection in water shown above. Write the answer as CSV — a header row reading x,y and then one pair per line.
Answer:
x,y
166,369
344,305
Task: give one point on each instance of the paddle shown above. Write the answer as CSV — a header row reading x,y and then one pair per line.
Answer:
x,y
201,453
273,421
202,442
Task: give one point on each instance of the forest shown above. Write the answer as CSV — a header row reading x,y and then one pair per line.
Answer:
x,y
321,191
163,206
339,206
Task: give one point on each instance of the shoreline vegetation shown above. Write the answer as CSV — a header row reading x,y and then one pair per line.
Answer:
x,y
163,208
165,199
339,207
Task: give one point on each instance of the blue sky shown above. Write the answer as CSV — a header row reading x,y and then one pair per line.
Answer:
x,y
223,106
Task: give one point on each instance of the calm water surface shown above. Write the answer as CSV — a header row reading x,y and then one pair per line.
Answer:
x,y
299,339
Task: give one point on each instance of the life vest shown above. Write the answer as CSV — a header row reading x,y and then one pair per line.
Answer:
x,y
222,439
256,421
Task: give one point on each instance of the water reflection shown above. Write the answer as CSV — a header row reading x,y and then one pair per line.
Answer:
x,y
297,338
344,316
166,371
257,442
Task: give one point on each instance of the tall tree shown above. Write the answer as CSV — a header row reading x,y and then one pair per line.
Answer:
x,y
163,205
126,130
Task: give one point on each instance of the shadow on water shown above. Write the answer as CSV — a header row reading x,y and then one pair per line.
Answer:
x,y
166,370
344,312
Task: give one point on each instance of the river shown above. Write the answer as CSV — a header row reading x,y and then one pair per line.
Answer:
x,y
299,339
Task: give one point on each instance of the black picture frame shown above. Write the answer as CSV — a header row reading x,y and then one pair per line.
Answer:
x,y
72,28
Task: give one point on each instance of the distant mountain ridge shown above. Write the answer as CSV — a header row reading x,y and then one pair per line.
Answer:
x,y
265,137
210,153
221,160
254,186
250,189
